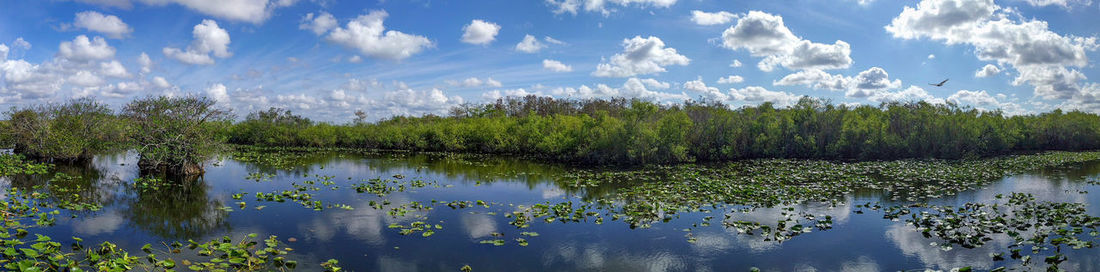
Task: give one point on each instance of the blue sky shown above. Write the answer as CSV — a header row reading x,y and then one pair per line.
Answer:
x,y
327,59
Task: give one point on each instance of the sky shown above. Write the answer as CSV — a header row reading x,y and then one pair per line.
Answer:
x,y
327,59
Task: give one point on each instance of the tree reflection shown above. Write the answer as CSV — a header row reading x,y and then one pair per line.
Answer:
x,y
180,209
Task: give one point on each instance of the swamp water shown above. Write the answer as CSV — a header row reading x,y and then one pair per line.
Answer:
x,y
333,209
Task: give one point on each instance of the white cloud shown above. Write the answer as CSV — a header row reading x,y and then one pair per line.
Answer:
x,y
4,52
911,94
632,88
864,84
731,79
556,66
218,92
870,81
760,94
475,82
319,24
480,32
983,100
497,94
765,35
1040,55
735,64
367,34
160,82
252,11
145,62
85,79
987,71
110,25
931,56
552,40
82,49
572,6
492,83
709,93
21,44
113,69
355,59
530,44
711,18
641,56
208,38
413,102
816,79
1066,4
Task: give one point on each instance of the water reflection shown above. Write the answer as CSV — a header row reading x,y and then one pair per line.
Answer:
x,y
179,211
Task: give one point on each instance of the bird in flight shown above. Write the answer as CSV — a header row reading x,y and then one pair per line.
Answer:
x,y
939,84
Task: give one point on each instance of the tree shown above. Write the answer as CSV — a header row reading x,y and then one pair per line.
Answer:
x,y
176,135
76,130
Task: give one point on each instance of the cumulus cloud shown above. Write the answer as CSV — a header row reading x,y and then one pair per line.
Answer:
x,y
735,63
985,101
145,62
83,49
765,35
413,102
218,92
987,71
864,84
632,88
760,94
1041,56
109,25
556,66
160,82
572,6
113,69
252,11
707,92
530,44
711,18
911,94
497,94
480,32
640,56
319,24
208,38
731,79
367,35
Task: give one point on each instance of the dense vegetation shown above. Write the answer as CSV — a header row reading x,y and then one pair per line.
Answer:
x,y
76,130
176,135
639,132
183,132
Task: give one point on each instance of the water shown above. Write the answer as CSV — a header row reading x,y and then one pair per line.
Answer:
x,y
361,240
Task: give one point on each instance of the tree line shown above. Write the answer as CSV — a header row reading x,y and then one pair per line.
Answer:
x,y
624,131
605,131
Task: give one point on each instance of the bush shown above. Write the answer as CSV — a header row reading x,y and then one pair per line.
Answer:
x,y
76,130
176,135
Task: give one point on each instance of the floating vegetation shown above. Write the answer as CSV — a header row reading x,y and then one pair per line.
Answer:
x,y
654,193
1034,226
11,165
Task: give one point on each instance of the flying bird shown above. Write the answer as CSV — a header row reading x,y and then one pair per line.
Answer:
x,y
939,84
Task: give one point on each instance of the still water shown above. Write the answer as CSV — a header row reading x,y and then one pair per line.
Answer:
x,y
361,239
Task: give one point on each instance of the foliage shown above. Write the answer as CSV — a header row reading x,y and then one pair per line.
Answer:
x,y
72,131
11,165
176,134
638,132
